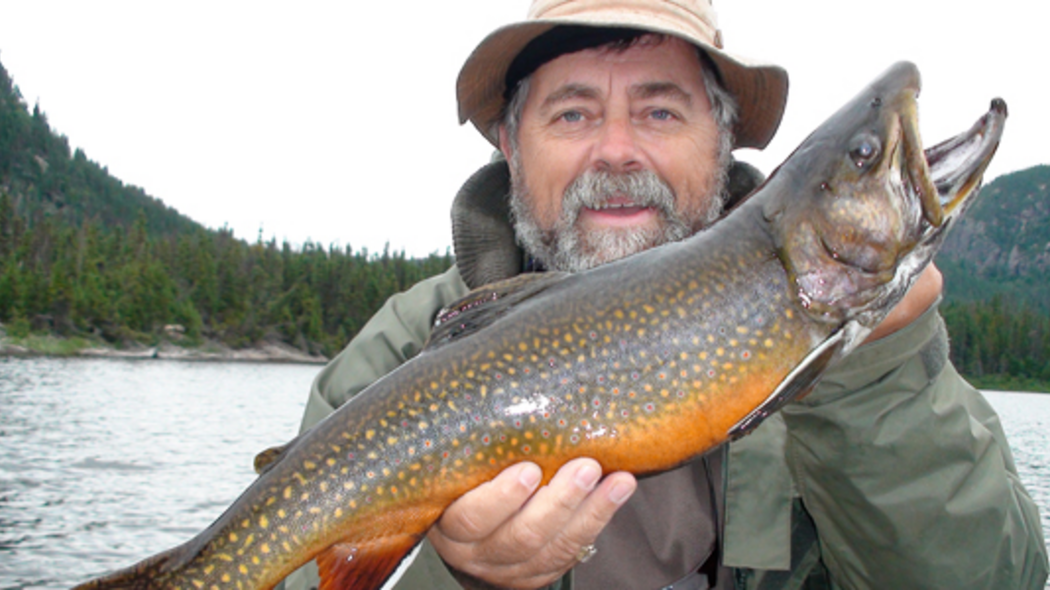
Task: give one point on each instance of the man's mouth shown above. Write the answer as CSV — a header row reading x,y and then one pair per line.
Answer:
x,y
618,211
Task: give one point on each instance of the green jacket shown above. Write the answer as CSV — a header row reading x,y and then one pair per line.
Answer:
x,y
892,473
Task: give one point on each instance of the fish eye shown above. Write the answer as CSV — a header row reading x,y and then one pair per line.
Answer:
x,y
864,149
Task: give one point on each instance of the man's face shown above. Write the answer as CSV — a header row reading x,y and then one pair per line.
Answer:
x,y
617,152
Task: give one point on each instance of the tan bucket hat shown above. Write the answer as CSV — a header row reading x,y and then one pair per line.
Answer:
x,y
760,89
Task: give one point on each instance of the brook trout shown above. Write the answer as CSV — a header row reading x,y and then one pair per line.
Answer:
x,y
642,364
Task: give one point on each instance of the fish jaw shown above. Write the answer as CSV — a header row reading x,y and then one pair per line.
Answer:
x,y
864,207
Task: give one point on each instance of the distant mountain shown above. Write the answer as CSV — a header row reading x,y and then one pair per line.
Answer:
x,y
1002,246
43,178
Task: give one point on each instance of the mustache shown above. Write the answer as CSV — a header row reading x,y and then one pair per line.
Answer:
x,y
595,189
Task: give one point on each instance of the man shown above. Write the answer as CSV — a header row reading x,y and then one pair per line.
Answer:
x,y
615,121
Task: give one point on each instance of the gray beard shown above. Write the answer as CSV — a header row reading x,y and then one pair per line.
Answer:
x,y
569,248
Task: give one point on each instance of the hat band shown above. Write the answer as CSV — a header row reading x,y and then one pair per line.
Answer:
x,y
559,41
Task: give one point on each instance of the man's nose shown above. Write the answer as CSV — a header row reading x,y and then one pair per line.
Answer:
x,y
617,146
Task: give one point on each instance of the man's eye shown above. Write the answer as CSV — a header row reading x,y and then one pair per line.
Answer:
x,y
571,116
661,114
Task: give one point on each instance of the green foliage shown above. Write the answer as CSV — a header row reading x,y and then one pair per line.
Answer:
x,y
992,342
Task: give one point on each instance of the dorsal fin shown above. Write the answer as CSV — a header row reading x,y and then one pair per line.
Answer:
x,y
484,305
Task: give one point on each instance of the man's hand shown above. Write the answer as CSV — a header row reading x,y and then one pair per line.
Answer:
x,y
919,298
507,536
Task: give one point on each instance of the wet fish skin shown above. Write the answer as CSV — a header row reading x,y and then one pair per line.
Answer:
x,y
641,364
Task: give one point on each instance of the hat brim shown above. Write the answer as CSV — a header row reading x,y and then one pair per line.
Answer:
x,y
760,89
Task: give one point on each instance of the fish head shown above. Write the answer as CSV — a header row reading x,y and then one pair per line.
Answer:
x,y
861,207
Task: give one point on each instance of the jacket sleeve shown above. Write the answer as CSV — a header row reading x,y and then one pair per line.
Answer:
x,y
907,474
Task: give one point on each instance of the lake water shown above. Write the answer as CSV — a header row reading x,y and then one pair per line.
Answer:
x,y
103,462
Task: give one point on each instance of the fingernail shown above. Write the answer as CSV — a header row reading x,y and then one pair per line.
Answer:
x,y
530,476
587,476
621,492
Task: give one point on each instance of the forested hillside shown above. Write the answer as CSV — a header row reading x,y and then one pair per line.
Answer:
x,y
1002,246
996,267
81,253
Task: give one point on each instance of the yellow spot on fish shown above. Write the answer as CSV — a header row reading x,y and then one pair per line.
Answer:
x,y
369,434
263,521
265,547
233,537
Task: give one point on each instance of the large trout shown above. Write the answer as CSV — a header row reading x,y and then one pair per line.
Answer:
x,y
642,364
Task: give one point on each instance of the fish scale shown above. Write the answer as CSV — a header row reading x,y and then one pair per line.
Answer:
x,y
641,364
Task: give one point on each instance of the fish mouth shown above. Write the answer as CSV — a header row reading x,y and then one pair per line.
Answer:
x,y
949,174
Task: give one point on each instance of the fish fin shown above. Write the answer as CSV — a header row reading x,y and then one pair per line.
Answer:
x,y
363,565
797,384
265,460
484,305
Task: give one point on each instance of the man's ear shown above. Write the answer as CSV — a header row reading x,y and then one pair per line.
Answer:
x,y
505,146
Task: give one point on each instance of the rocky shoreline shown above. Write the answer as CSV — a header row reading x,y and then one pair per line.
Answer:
x,y
269,352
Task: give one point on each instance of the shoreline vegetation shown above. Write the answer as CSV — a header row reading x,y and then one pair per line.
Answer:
x,y
50,345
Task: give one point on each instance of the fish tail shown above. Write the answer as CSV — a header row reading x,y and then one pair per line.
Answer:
x,y
364,566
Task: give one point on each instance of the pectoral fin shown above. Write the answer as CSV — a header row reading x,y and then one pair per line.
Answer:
x,y
798,383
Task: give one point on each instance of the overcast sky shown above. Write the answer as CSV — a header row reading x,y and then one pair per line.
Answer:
x,y
336,121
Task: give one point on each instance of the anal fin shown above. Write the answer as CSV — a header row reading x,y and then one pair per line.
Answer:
x,y
363,566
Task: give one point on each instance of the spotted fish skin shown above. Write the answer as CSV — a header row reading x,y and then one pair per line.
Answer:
x,y
641,364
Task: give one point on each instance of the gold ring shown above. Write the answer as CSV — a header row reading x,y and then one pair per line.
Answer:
x,y
585,553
